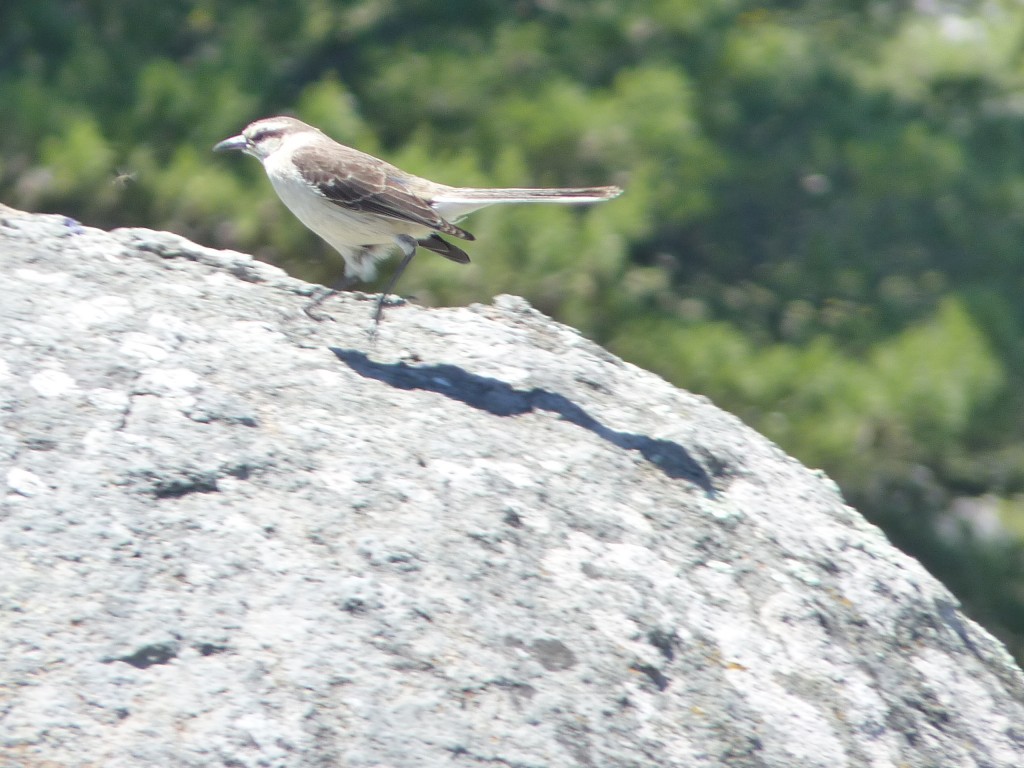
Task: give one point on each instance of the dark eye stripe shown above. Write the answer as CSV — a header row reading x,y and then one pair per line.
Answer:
x,y
265,132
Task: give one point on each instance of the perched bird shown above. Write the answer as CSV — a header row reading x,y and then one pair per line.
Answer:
x,y
366,208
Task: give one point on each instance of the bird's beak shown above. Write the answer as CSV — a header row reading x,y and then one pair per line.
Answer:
x,y
235,142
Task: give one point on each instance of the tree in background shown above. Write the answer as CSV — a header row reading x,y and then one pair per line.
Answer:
x,y
821,231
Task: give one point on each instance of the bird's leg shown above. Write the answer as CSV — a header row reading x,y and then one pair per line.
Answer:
x,y
408,246
344,284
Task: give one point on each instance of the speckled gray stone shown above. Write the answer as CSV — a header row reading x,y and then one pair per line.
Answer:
x,y
233,536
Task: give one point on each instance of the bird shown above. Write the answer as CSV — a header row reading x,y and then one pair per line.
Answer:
x,y
366,208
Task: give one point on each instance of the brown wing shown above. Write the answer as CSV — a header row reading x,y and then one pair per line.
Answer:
x,y
360,182
439,245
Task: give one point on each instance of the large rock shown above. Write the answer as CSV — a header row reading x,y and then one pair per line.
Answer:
x,y
233,536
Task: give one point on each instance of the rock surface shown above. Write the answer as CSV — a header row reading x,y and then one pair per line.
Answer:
x,y
232,536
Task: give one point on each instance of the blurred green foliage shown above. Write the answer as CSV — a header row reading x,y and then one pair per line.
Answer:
x,y
822,227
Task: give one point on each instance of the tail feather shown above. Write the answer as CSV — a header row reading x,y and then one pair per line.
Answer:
x,y
455,202
526,195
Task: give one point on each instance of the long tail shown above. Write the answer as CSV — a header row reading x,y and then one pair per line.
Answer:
x,y
455,202
566,195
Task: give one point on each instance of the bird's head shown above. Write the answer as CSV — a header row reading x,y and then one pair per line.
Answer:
x,y
264,137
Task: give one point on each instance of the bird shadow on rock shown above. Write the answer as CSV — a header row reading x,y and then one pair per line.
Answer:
x,y
502,399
